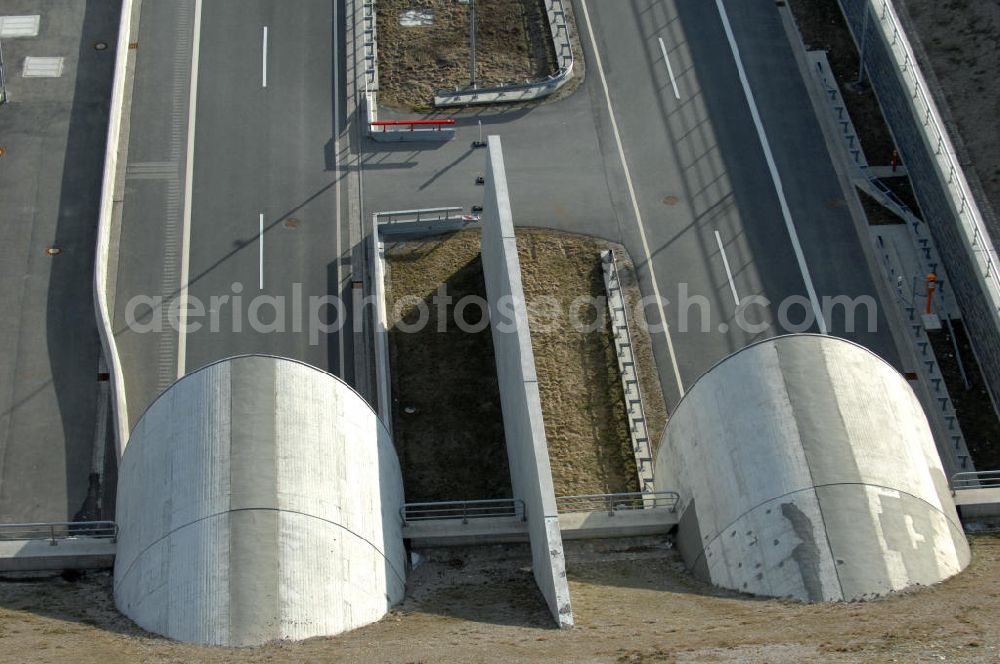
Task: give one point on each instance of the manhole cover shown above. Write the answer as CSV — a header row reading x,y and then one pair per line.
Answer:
x,y
53,251
671,200
100,46
292,222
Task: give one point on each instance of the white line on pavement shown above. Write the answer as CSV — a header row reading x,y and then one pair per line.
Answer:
x,y
670,70
264,61
635,203
729,273
786,213
260,242
188,182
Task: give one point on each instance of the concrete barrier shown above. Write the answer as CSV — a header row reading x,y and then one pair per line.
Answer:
x,y
555,12
955,220
42,555
527,449
109,204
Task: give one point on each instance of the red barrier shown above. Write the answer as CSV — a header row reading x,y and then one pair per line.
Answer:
x,y
411,123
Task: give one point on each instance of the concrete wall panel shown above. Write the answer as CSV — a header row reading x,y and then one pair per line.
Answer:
x,y
524,429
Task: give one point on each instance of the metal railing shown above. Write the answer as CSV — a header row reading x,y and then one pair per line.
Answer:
x,y
618,502
59,530
624,350
978,479
463,509
969,215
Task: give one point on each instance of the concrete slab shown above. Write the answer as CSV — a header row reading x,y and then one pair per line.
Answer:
x,y
43,67
19,26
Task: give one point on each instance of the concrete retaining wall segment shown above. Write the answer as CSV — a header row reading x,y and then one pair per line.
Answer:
x,y
104,227
380,328
941,186
527,449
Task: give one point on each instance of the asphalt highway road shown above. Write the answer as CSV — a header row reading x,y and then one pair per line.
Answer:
x,y
264,151
698,178
233,189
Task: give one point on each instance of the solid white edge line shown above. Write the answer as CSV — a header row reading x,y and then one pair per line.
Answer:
x,y
635,203
336,163
260,242
264,61
670,70
785,212
729,272
188,182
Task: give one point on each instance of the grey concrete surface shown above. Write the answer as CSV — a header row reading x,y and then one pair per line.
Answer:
x,y
697,167
53,132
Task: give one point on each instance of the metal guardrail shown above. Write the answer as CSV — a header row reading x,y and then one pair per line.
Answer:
x,y
978,479
618,502
423,214
463,509
624,349
59,530
969,215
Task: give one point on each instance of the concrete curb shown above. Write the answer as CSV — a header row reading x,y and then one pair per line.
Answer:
x,y
563,47
104,229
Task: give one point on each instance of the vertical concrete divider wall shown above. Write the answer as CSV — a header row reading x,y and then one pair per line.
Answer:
x,y
954,218
104,227
527,449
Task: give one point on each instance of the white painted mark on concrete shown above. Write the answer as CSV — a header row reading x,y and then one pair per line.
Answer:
x,y
264,61
670,70
769,156
635,203
35,67
188,183
19,26
260,242
729,273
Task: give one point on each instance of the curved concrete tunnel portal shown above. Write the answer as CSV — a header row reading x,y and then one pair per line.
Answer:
x,y
258,500
807,469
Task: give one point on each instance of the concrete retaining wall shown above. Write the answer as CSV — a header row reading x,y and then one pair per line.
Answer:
x,y
110,206
527,449
806,468
954,217
258,499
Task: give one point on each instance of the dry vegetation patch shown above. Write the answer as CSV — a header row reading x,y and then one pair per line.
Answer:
x,y
633,610
451,446
513,45
447,376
